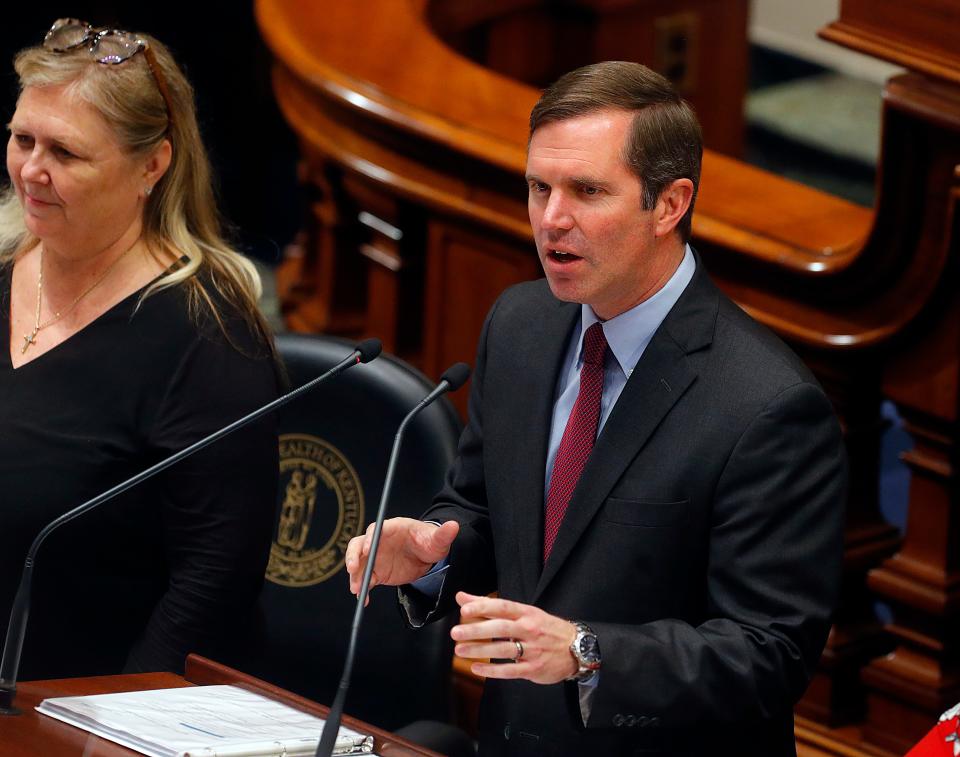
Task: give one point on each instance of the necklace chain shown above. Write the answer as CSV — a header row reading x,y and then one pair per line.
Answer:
x,y
31,338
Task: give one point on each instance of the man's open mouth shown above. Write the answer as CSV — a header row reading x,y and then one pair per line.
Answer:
x,y
563,257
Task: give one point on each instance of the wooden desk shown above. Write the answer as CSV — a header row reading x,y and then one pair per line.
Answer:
x,y
31,733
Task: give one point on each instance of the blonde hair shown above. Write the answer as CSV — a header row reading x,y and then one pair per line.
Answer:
x,y
180,215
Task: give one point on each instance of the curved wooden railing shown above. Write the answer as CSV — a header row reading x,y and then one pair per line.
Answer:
x,y
413,159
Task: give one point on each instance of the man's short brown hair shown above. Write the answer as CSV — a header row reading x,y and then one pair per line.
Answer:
x,y
665,142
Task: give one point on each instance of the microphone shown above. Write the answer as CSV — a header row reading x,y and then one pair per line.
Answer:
x,y
364,352
452,379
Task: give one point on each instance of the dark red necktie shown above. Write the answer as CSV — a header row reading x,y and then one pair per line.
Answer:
x,y
578,436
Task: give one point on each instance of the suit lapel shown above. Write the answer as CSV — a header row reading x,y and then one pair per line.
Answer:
x,y
661,377
540,356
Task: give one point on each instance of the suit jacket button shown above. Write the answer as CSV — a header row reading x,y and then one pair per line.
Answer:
x,y
630,721
642,720
506,732
618,720
654,721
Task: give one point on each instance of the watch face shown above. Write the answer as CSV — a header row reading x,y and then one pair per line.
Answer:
x,y
589,649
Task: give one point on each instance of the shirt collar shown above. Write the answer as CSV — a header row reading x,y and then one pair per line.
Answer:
x,y
629,333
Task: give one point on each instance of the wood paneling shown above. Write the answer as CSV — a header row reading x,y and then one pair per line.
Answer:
x,y
921,35
467,271
536,42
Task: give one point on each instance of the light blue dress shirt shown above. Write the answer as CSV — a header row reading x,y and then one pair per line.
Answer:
x,y
628,335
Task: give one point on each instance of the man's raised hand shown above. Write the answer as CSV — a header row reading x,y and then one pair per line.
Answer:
x,y
408,549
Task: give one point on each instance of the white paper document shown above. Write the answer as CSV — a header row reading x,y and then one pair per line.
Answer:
x,y
201,721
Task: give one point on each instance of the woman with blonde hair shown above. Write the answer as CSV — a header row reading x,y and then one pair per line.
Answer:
x,y
133,331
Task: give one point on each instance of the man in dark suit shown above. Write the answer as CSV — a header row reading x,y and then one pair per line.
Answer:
x,y
651,481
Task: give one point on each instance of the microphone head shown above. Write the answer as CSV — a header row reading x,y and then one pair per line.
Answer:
x,y
368,349
456,375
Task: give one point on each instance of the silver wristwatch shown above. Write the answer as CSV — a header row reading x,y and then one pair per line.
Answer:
x,y
586,652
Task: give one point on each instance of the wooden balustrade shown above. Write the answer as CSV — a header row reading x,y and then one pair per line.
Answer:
x,y
413,149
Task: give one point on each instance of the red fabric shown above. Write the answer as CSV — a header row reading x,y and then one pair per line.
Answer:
x,y
943,740
578,436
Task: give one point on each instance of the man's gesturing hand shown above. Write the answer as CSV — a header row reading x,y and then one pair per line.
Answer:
x,y
501,623
408,548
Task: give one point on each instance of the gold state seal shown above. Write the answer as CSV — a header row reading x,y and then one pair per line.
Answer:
x,y
321,510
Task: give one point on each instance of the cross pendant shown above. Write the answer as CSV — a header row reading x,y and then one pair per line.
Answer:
x,y
28,339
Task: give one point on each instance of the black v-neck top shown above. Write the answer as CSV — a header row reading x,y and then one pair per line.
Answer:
x,y
174,565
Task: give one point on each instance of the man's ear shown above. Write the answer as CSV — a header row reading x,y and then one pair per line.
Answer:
x,y
673,202
157,164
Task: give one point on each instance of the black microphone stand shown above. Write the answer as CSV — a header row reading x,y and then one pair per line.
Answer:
x,y
364,352
451,380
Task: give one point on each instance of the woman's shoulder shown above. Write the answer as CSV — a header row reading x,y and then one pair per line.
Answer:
x,y
194,317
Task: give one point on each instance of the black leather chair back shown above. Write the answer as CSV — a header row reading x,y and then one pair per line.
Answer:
x,y
334,447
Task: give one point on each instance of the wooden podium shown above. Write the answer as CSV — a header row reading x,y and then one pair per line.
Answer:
x,y
31,733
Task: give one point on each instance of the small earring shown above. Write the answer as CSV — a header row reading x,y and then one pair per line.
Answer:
x,y
147,191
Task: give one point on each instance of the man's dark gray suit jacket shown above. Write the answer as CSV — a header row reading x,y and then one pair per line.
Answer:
x,y
703,542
